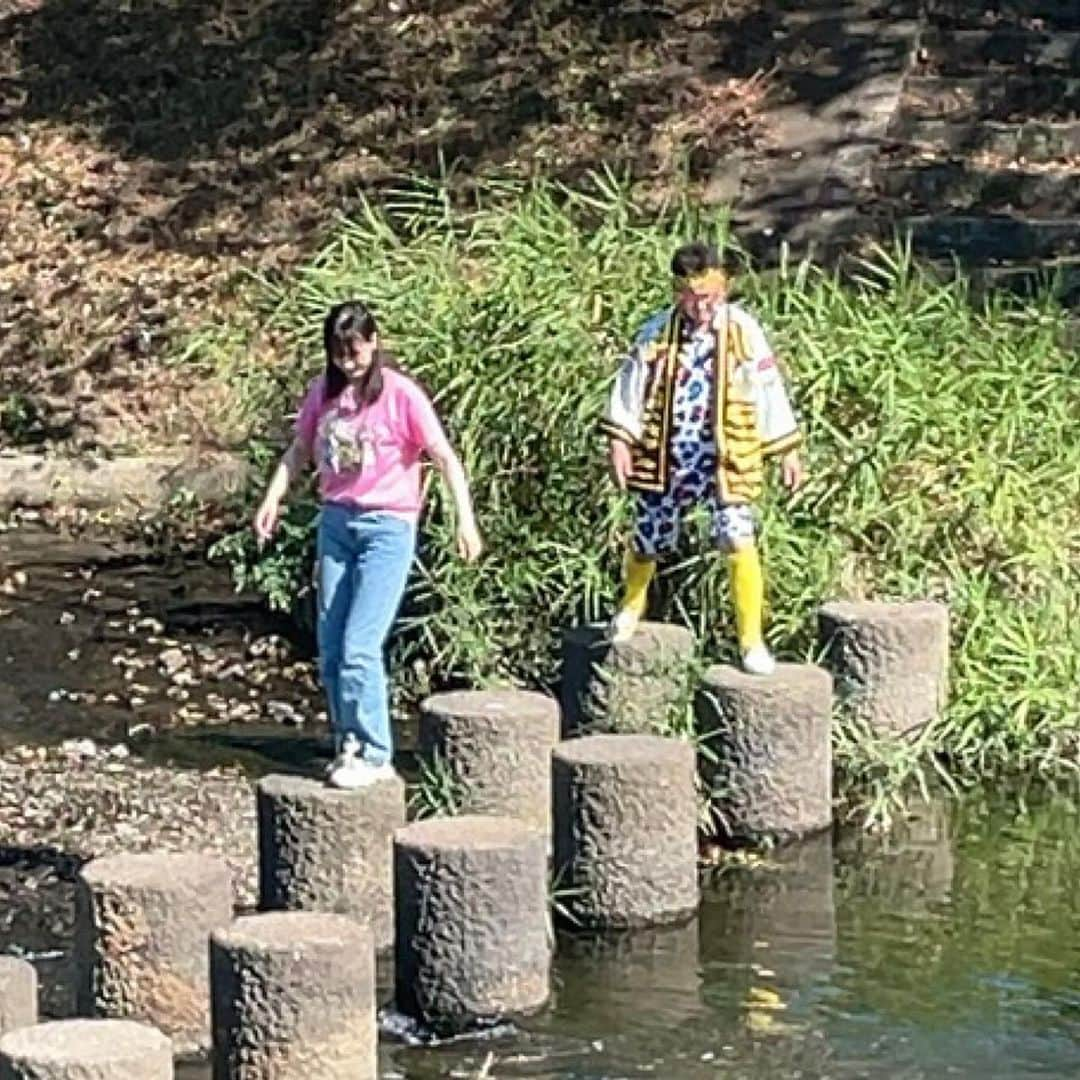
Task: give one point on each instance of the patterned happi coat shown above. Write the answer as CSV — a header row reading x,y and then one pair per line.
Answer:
x,y
752,416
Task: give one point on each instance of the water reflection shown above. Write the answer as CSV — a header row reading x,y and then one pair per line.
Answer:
x,y
949,947
774,924
961,935
911,866
624,996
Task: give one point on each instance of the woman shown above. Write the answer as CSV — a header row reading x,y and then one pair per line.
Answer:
x,y
365,425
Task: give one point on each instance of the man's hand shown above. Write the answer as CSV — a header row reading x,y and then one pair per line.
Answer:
x,y
621,463
791,471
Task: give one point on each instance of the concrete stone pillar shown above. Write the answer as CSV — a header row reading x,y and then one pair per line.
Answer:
x,y
472,920
634,687
496,746
86,1050
625,830
771,740
142,923
294,996
326,850
18,994
890,660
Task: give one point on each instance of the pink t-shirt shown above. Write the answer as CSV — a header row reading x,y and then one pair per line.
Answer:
x,y
369,455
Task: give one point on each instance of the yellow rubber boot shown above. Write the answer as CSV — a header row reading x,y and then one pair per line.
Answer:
x,y
748,591
638,571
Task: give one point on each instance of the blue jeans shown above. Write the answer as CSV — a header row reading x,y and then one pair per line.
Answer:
x,y
363,563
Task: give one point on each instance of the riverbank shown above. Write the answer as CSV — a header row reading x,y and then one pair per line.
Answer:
x,y
941,447
140,697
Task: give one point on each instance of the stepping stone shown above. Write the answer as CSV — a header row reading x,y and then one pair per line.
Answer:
x,y
18,994
769,767
1034,141
959,52
496,746
633,687
323,849
890,660
625,830
1006,98
970,238
294,996
142,924
86,1050
472,921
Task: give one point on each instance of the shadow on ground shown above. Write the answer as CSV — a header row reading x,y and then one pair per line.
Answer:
x,y
159,148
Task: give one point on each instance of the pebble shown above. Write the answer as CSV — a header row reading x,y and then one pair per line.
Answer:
x,y
284,713
172,661
114,802
82,748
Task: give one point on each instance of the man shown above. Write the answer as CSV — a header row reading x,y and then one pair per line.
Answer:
x,y
697,406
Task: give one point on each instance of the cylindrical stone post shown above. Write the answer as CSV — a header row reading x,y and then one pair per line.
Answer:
x,y
18,994
142,922
625,830
769,772
632,687
294,996
472,920
496,748
86,1050
890,660
321,849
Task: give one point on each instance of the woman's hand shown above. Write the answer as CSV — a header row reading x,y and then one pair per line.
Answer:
x,y
269,513
266,518
469,544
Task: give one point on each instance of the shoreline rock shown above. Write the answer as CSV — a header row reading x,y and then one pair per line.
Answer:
x,y
144,482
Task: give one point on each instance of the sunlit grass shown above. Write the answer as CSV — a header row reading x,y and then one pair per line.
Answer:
x,y
943,452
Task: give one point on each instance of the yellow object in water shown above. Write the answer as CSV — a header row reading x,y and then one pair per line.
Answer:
x,y
761,997
761,1005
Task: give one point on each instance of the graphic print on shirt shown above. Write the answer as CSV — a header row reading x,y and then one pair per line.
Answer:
x,y
693,444
348,445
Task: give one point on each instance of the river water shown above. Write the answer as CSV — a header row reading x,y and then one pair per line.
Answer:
x,y
948,947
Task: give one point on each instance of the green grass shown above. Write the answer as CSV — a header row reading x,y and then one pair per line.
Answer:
x,y
943,444
438,792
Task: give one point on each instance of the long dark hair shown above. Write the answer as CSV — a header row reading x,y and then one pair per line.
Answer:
x,y
345,323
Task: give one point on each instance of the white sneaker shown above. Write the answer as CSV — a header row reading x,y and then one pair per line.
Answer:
x,y
758,661
349,770
624,625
